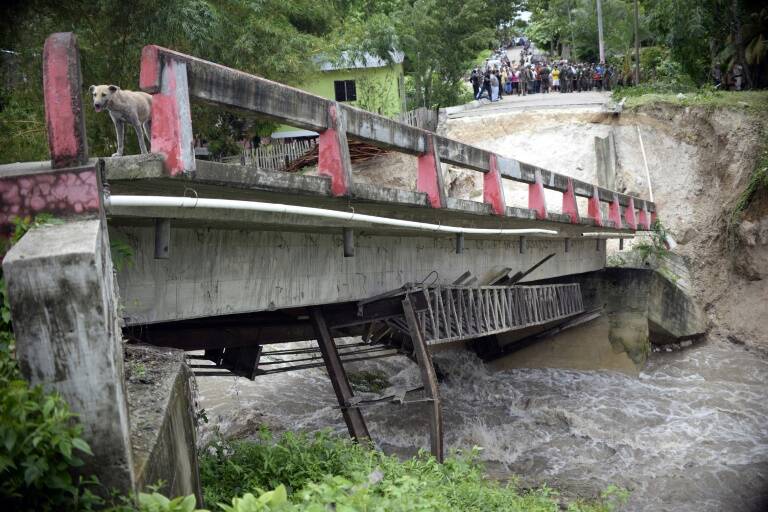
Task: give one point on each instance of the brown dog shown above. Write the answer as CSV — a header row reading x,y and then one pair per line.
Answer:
x,y
130,107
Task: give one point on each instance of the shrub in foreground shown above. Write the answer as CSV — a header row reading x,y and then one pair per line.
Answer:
x,y
320,472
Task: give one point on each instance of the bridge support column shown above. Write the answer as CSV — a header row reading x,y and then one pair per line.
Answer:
x,y
352,415
63,298
429,379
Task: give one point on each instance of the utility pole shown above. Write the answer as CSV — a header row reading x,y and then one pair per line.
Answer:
x,y
637,44
600,31
573,39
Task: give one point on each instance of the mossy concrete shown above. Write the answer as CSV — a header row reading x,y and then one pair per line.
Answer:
x,y
162,420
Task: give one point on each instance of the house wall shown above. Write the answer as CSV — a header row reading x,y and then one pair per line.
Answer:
x,y
379,90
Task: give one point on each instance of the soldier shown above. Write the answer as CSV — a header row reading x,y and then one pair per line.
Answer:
x,y
586,78
474,79
525,79
544,73
573,72
608,78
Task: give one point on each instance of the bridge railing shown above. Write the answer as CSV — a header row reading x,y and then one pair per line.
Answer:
x,y
173,78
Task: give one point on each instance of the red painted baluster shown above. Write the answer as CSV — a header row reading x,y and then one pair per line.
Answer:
x,y
333,159
569,203
430,176
62,84
654,217
493,191
614,212
629,214
593,210
644,219
536,201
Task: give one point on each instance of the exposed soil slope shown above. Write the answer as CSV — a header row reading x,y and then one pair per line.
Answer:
x,y
700,160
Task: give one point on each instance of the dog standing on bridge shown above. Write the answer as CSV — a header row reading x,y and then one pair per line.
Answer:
x,y
134,108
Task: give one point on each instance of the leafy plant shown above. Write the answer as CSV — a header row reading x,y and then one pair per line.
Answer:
x,y
268,501
656,246
319,472
122,253
156,502
758,183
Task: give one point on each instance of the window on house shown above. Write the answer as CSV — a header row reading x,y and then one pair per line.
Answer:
x,y
345,90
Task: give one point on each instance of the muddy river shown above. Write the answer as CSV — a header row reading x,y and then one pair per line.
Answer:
x,y
690,433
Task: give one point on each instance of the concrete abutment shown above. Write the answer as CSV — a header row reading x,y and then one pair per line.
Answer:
x,y
64,305
64,301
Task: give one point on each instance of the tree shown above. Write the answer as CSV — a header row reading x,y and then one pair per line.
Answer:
x,y
271,38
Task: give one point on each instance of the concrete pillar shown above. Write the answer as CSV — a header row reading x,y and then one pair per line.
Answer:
x,y
63,299
605,162
614,212
333,153
629,214
593,208
569,203
536,201
62,84
644,219
430,176
493,191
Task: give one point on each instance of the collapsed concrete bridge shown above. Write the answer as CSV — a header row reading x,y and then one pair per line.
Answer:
x,y
228,259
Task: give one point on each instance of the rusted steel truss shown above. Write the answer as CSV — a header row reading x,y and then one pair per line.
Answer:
x,y
456,313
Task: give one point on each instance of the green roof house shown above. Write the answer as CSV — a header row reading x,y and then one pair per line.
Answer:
x,y
363,80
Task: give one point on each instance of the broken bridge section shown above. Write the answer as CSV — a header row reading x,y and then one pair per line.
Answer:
x,y
230,259
459,313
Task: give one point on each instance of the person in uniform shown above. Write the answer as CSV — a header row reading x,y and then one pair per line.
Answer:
x,y
474,79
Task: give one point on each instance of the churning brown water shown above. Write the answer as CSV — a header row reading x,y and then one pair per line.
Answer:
x,y
690,433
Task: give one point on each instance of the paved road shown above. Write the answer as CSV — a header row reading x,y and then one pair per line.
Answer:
x,y
553,100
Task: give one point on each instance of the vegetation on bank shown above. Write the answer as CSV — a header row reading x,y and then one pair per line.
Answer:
x,y
706,97
318,471
756,186
40,441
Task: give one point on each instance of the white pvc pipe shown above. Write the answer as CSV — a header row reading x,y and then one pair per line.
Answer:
x,y
645,161
602,234
230,204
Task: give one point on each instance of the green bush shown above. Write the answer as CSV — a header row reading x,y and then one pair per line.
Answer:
x,y
656,246
319,472
660,74
40,442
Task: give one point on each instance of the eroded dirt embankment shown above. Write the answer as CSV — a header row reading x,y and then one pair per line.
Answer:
x,y
699,161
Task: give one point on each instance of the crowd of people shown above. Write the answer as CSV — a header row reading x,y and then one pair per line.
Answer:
x,y
527,77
